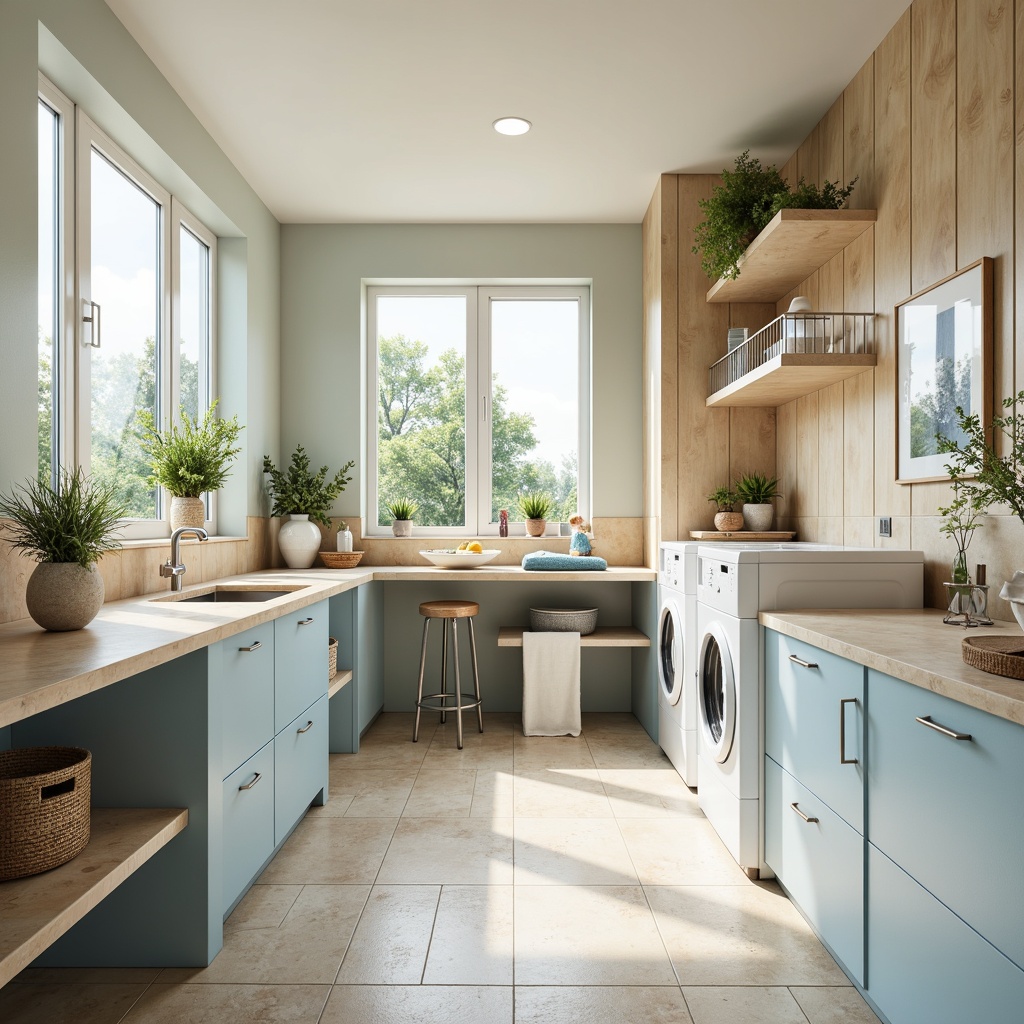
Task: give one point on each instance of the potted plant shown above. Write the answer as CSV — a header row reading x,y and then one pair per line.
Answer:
x,y
189,460
755,492
402,512
65,529
535,507
960,521
305,498
727,520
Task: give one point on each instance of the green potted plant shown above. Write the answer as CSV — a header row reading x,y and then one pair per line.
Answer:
x,y
189,460
65,528
755,492
305,498
727,519
402,512
960,520
536,507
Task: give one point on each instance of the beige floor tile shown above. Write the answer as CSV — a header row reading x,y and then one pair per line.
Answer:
x,y
442,793
332,850
647,793
418,1004
492,794
533,753
367,792
221,1004
472,940
596,723
490,751
739,935
743,1006
587,935
600,1005
388,747
390,943
571,851
834,1006
400,723
263,906
67,1002
449,851
626,751
560,793
307,948
88,975
684,851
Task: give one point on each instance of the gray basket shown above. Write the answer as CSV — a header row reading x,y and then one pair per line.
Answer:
x,y
563,620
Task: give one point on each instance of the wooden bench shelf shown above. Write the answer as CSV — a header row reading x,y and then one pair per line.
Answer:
x,y
341,680
38,910
614,636
789,376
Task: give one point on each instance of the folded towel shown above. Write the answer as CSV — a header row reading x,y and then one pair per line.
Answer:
x,y
551,684
555,561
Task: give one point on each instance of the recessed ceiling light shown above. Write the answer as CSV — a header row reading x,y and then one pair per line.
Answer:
x,y
512,125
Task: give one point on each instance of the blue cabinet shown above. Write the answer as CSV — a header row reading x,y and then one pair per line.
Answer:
x,y
300,661
248,809
243,666
300,763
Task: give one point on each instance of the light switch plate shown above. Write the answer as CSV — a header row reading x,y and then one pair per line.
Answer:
x,y
884,526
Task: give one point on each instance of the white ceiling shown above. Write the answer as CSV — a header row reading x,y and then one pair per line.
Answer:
x,y
380,110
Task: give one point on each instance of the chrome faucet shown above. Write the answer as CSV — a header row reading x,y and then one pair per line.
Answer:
x,y
173,567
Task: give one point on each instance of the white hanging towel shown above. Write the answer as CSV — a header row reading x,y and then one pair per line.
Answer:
x,y
551,684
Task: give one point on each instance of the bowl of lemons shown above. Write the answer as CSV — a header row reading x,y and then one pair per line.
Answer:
x,y
468,555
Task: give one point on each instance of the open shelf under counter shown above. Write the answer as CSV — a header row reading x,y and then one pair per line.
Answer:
x,y
790,375
38,910
612,636
341,679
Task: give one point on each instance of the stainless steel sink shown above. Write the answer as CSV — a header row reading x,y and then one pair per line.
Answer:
x,y
234,595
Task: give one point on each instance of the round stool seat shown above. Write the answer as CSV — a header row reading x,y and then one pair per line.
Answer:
x,y
449,609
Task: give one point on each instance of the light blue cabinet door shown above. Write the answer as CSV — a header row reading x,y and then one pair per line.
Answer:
x,y
820,862
300,659
814,718
248,822
300,766
925,966
949,811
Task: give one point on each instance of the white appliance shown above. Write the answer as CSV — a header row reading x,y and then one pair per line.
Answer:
x,y
734,585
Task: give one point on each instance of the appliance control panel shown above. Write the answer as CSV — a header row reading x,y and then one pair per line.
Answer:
x,y
671,568
728,586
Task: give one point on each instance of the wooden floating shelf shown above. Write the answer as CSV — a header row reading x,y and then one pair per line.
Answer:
x,y
38,910
724,535
341,680
615,636
793,245
788,376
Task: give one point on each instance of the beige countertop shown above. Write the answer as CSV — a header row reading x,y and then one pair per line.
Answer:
x,y
914,645
39,670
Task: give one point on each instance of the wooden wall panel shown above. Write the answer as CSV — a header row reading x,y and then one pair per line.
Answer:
x,y
786,465
806,498
831,143
830,451
807,158
859,137
858,392
751,431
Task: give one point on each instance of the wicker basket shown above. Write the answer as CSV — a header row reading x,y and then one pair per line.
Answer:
x,y
341,559
332,657
44,808
1000,655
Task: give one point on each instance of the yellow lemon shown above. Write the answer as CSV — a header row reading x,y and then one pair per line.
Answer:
x,y
475,546
463,546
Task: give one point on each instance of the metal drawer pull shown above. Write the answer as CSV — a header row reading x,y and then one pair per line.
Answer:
x,y
803,664
252,647
256,778
305,622
927,720
806,817
843,759
309,725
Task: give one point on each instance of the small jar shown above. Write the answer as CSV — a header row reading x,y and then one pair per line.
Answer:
x,y
344,538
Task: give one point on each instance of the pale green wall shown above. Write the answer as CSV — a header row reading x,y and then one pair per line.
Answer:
x,y
323,267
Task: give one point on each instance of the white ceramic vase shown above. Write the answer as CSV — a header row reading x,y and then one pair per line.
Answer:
x,y
758,518
299,541
187,512
62,596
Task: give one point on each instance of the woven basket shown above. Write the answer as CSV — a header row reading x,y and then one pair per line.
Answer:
x,y
1000,655
332,657
341,559
44,808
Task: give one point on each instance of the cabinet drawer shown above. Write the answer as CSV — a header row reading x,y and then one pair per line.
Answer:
x,y
248,822
245,671
948,811
814,716
925,964
821,864
300,766
300,659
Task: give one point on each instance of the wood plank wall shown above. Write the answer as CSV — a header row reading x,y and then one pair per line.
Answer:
x,y
933,126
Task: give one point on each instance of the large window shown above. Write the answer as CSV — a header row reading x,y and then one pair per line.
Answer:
x,y
477,395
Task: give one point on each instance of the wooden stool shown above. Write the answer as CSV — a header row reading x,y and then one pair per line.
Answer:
x,y
450,612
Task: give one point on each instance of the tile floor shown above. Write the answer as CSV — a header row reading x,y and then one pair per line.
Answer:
x,y
521,879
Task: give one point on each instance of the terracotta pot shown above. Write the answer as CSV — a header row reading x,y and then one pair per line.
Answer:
x,y
728,522
63,595
187,512
536,527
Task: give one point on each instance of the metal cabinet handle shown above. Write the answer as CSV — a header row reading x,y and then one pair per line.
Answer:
x,y
309,725
806,817
305,622
256,778
804,664
843,759
252,647
952,734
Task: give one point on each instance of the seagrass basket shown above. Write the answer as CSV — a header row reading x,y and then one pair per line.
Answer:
x,y
341,559
332,657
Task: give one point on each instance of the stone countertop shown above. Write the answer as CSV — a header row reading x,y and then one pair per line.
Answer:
x,y
41,670
913,645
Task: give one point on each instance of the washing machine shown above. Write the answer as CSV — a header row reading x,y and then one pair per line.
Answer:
x,y
734,585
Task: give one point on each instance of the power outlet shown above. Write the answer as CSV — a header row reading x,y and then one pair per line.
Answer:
x,y
884,526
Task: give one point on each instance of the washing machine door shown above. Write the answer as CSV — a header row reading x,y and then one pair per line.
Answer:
x,y
716,688
670,651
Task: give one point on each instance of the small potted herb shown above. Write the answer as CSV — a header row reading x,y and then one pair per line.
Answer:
x,y
727,520
402,512
755,492
535,507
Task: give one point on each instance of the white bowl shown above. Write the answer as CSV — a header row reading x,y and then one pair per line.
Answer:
x,y
449,558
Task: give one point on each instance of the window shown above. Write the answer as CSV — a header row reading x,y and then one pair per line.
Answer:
x,y
478,394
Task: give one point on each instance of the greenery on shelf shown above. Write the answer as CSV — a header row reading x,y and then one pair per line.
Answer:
x,y
191,459
401,509
299,491
738,209
723,499
757,489
535,505
73,521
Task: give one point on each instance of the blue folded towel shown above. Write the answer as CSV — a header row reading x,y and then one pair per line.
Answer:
x,y
554,561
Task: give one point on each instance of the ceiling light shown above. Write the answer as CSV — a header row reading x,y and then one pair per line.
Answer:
x,y
512,125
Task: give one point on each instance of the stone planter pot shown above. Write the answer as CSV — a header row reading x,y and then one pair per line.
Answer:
x,y
758,518
62,596
401,527
728,522
187,512
299,541
536,527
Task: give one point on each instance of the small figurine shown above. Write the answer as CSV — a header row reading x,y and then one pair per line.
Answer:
x,y
580,543
503,522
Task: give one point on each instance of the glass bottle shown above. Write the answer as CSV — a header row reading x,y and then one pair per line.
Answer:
x,y
503,522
